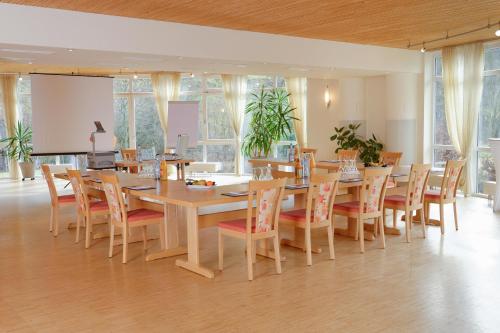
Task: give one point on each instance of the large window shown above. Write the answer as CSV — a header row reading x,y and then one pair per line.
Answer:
x,y
254,84
488,124
216,136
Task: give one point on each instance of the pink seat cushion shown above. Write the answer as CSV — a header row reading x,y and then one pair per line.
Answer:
x,y
349,207
66,198
239,225
432,195
297,215
395,199
98,205
143,214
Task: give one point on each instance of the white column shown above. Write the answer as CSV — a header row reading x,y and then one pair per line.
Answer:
x,y
403,104
495,149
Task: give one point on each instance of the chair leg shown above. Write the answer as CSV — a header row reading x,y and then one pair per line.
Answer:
x,y
395,217
249,259
88,230
221,251
375,227
163,241
254,251
382,232
428,212
56,222
441,217
455,215
407,225
77,237
330,241
361,235
277,255
145,237
125,232
111,239
51,222
383,215
356,234
422,219
307,241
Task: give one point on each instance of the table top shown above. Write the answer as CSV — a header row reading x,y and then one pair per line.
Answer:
x,y
176,192
125,163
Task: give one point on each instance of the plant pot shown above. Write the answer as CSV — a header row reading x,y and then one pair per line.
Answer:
x,y
27,169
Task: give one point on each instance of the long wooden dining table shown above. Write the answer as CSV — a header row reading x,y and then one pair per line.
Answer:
x,y
201,208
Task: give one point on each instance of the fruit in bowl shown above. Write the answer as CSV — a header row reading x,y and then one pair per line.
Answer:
x,y
199,182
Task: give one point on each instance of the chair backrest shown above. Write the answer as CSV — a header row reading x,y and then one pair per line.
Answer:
x,y
417,183
76,180
451,178
268,195
347,154
320,197
373,190
391,157
311,151
281,174
114,196
50,183
129,154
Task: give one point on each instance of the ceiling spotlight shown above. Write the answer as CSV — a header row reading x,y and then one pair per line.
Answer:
x,y
423,48
136,76
191,75
497,33
70,50
30,62
20,77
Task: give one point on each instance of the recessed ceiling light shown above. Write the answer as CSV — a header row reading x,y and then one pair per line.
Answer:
x,y
497,33
70,50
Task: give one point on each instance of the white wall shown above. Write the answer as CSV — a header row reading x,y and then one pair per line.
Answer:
x,y
375,106
390,106
68,29
320,120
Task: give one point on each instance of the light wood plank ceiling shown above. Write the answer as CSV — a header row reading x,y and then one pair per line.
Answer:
x,y
390,23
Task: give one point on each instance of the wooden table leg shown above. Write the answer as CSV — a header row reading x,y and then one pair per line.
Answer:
x,y
170,236
183,171
193,261
417,218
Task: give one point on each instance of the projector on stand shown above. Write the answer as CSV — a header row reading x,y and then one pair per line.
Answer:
x,y
101,159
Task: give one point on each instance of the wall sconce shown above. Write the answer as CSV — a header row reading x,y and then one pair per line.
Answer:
x,y
328,97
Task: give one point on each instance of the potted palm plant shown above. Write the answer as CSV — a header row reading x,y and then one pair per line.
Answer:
x,y
18,147
271,120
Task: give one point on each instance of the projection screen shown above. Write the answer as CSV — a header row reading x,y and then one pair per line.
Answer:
x,y
64,109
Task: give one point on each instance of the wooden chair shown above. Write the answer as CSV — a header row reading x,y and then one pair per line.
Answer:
x,y
268,195
447,193
391,158
282,174
56,201
322,190
126,220
370,205
311,151
130,154
414,199
86,209
347,154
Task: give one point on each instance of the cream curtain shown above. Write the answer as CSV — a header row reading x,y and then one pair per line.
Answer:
x,y
297,87
463,85
166,87
235,89
8,84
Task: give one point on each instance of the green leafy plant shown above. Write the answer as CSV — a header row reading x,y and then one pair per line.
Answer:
x,y
347,138
370,151
271,120
18,146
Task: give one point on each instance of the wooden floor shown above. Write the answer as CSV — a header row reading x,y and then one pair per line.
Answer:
x,y
440,284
